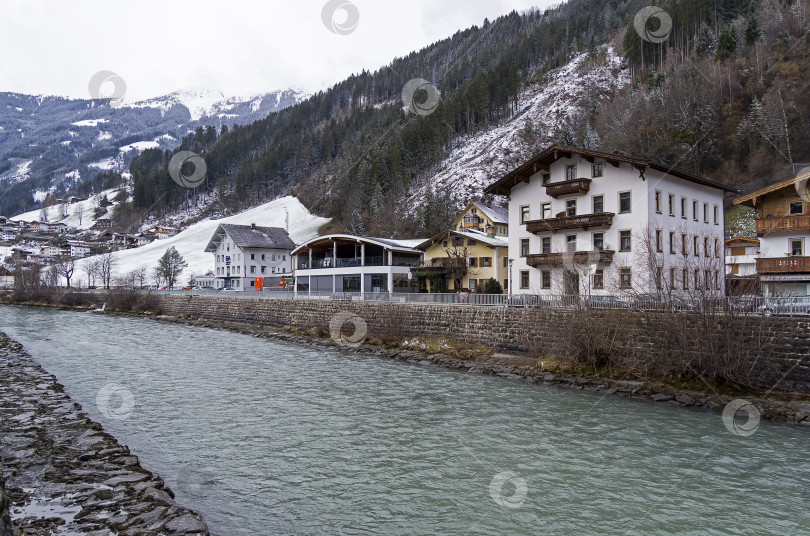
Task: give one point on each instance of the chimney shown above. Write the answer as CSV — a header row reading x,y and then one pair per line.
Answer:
x,y
252,225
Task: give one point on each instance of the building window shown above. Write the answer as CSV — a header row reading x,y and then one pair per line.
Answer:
x,y
696,245
470,242
658,201
252,269
684,245
795,207
708,275
570,243
252,256
524,279
705,213
796,247
706,252
252,282
545,280
624,202
599,278
486,262
672,205
473,262
697,279
694,210
546,242
659,241
716,215
444,244
264,269
672,279
659,277
599,241
685,279
524,213
570,172
717,248
545,211
524,247
506,284
598,204
506,262
571,207
472,284
596,169
625,278
625,241
546,177
683,207
672,242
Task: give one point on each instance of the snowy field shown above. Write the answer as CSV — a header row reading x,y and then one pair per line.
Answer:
x,y
192,241
80,215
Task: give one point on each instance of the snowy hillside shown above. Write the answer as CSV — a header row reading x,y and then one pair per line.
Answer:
x,y
80,214
564,96
192,241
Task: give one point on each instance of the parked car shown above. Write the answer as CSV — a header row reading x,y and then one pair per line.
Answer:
x,y
189,287
661,302
793,305
229,289
605,302
522,300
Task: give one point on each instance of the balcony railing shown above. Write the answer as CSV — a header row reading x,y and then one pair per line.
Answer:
x,y
584,221
568,187
600,257
783,224
783,265
348,262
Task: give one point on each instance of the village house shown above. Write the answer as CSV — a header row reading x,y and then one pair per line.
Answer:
x,y
248,257
783,228
741,266
163,231
348,263
589,222
78,249
462,260
477,216
102,223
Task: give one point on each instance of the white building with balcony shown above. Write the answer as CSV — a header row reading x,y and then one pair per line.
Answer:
x,y
588,222
247,257
341,263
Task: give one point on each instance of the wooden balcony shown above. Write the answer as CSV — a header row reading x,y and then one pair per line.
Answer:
x,y
602,258
580,186
782,224
783,265
584,221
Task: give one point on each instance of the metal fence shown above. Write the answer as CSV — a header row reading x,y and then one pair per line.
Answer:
x,y
766,306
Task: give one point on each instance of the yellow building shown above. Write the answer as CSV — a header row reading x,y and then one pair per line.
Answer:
x,y
477,216
462,260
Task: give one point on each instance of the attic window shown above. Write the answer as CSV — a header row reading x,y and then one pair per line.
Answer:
x,y
796,207
474,210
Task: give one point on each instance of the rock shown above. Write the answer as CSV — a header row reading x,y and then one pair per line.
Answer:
x,y
5,519
130,478
158,495
661,397
186,523
685,399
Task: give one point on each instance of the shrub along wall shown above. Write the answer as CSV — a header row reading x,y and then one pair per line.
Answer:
x,y
765,350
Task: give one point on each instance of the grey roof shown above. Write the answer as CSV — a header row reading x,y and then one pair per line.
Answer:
x,y
246,236
496,214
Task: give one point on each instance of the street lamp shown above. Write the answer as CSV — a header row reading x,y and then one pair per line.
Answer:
x,y
510,277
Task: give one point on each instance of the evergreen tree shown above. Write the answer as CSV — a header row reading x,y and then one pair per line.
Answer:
x,y
726,44
753,31
170,266
706,42
491,286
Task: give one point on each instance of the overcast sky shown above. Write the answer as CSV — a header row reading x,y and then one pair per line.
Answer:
x,y
236,47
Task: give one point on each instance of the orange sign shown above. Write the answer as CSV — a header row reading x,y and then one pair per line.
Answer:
x,y
282,283
259,283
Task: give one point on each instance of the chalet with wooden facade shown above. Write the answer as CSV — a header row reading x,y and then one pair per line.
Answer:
x,y
477,216
783,228
589,222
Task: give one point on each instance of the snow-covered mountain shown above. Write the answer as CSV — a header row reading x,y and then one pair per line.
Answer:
x,y
49,142
545,110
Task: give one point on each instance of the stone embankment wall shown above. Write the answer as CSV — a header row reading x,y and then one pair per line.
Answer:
x,y
783,342
5,519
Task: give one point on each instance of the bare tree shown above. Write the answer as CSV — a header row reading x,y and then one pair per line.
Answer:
x,y
106,267
65,268
139,276
91,269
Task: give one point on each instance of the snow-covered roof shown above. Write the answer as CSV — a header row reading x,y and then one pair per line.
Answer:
x,y
495,241
251,236
496,214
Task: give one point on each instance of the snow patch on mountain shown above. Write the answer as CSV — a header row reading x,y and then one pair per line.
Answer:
x,y
564,95
89,122
80,215
21,172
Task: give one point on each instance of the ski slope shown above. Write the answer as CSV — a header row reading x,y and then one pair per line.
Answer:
x,y
191,242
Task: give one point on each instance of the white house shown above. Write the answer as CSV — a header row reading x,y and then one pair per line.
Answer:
x,y
348,263
247,257
783,228
163,231
588,222
741,265
79,249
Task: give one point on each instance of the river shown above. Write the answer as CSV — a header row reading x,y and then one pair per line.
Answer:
x,y
264,437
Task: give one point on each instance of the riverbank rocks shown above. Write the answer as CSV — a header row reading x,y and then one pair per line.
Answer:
x,y
63,473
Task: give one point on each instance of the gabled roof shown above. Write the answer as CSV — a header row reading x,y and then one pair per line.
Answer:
x,y
248,236
496,214
751,241
494,241
750,199
553,153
